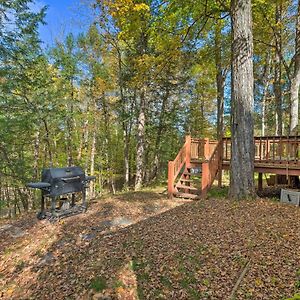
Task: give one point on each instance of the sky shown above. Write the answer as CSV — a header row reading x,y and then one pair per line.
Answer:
x,y
62,17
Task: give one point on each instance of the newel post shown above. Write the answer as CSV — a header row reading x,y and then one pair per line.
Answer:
x,y
205,181
220,165
170,179
188,143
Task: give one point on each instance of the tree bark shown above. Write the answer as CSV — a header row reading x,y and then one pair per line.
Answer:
x,y
140,141
277,69
242,154
220,80
295,82
92,167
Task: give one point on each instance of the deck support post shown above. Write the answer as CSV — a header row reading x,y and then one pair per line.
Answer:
x,y
260,181
170,179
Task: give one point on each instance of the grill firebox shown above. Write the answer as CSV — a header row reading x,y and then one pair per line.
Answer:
x,y
57,182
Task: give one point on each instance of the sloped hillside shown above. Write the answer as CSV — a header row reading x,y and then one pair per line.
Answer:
x,y
144,246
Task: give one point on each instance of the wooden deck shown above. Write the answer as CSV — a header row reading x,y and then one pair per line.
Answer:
x,y
273,155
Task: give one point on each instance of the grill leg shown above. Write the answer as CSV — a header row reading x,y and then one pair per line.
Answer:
x,y
73,200
84,198
42,203
41,214
53,204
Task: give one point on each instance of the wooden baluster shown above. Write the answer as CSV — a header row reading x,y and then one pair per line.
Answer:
x,y
260,148
188,141
206,149
226,150
267,150
295,150
280,150
220,162
171,179
273,149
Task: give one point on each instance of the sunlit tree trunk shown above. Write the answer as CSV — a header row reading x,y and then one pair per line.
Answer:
x,y
277,70
242,153
140,140
295,82
220,79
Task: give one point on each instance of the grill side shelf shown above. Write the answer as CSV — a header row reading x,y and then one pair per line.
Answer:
x,y
39,185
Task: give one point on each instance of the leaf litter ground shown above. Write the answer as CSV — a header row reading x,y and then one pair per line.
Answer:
x,y
144,246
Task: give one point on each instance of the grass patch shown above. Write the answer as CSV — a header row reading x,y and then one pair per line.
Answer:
x,y
98,284
295,297
216,192
165,281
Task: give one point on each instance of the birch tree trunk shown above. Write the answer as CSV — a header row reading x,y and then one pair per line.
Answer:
x,y
242,153
220,81
295,82
277,69
140,142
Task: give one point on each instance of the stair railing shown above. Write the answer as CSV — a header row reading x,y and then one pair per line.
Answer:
x,y
210,168
176,165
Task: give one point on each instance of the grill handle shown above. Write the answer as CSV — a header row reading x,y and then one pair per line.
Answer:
x,y
71,179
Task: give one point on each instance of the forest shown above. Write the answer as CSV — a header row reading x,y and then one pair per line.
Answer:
x,y
119,98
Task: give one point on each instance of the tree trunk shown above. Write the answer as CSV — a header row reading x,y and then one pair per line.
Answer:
x,y
220,80
140,142
242,154
161,127
266,84
295,82
277,69
92,167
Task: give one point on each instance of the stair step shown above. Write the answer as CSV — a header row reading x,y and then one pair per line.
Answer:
x,y
192,174
193,180
188,187
187,196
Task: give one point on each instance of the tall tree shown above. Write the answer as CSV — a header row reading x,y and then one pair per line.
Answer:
x,y
295,81
242,101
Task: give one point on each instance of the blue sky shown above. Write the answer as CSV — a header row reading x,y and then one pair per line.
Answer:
x,y
63,17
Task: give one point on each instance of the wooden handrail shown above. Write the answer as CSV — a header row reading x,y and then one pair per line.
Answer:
x,y
270,149
210,169
175,166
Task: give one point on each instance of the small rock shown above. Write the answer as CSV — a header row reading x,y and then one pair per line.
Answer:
x,y
100,296
13,231
47,259
121,221
5,227
87,236
16,232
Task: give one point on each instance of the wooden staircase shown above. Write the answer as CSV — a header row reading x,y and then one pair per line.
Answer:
x,y
194,169
199,161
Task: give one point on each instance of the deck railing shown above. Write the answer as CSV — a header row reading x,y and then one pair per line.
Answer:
x,y
175,166
270,150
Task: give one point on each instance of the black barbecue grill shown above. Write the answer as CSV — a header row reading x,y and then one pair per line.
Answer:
x,y
57,182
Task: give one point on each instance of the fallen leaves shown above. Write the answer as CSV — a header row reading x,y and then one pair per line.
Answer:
x,y
159,250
